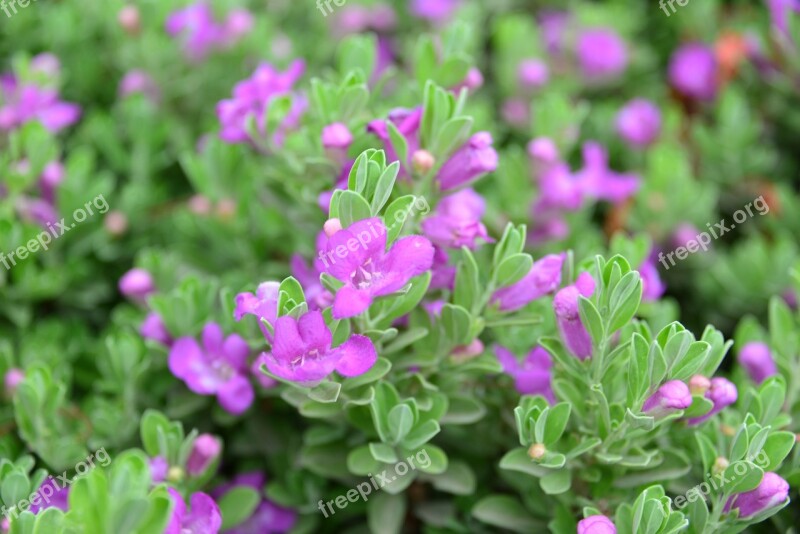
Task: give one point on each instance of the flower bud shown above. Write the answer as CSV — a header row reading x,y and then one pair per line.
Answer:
x,y
596,524
226,209
159,469
543,151
699,384
467,352
116,223
537,451
175,474
720,465
772,491
205,449
422,161
757,360
332,226
199,205
532,73
12,380
153,328
672,395
336,136
727,430
565,306
130,20
136,283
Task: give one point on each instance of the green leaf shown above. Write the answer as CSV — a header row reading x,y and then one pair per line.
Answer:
x,y
467,283
556,482
458,479
386,513
556,422
505,512
384,188
512,269
776,449
742,476
396,215
421,434
383,452
457,324
237,505
400,420
518,460
380,369
326,392
362,462
590,317
352,207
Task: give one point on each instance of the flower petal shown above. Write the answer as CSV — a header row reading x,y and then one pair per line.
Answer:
x,y
350,302
184,356
213,338
315,333
236,395
288,343
355,356
236,351
204,516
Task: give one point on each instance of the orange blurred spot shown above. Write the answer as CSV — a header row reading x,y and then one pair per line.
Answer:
x,y
730,50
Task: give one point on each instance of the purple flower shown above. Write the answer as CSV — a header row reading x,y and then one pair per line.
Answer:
x,y
543,151
407,122
302,351
683,234
596,524
554,28
516,112
779,11
532,73
251,100
22,103
639,122
357,256
268,517
201,33
436,11
12,380
457,221
139,82
57,496
532,376
601,53
597,180
263,304
218,368
543,278
46,64
443,274
52,176
336,135
159,467
203,518
205,449
672,395
722,393
238,23
771,491
756,359
565,305
468,163
137,284
153,328
693,71
652,285
472,82
559,190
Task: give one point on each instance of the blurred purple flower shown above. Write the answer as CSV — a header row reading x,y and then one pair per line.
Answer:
x,y
22,103
543,278
639,122
263,304
159,467
268,517
205,449
533,74
692,71
672,395
652,285
139,82
601,53
203,518
771,491
56,496
137,284
554,28
407,122
457,221
757,360
596,524
722,393
153,328
565,305
218,368
474,159
598,181
435,11
532,376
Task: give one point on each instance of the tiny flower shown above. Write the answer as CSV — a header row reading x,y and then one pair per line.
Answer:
x,y
693,71
137,283
672,395
12,380
51,494
469,351
263,304
565,305
153,328
199,205
46,64
722,393
597,180
457,221
543,278
332,226
238,23
532,73
543,151
422,161
516,112
218,367
537,451
407,122
196,26
159,467
639,122
559,189
336,136
474,159
205,449
225,209
139,82
757,360
130,20
472,82
683,234
533,375
596,524
601,53
357,256
203,518
772,491
699,384
302,351
436,11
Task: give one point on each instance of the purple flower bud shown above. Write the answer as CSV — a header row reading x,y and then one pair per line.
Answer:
x,y
205,449
158,469
238,23
565,305
639,122
469,162
722,392
136,283
47,64
672,395
652,285
757,360
436,11
543,151
130,20
543,278
601,53
596,524
693,71
683,234
12,380
533,73
153,328
532,376
472,82
457,221
336,135
772,491
138,81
